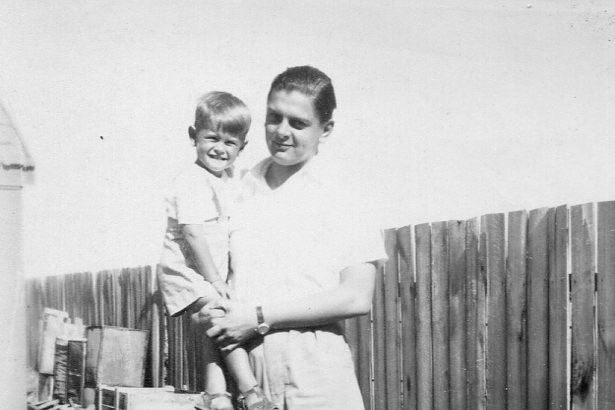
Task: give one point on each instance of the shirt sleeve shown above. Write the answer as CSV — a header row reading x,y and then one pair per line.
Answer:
x,y
194,199
358,239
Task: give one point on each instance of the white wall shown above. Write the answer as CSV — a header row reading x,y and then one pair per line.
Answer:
x,y
447,110
12,300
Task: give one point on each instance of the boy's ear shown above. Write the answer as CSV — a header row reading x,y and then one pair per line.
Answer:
x,y
192,133
243,146
327,130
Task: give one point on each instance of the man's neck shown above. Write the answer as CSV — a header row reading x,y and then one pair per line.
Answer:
x,y
277,174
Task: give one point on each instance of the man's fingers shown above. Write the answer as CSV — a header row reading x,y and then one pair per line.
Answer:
x,y
212,314
230,347
213,332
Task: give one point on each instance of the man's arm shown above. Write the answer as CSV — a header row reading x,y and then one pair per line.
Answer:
x,y
352,297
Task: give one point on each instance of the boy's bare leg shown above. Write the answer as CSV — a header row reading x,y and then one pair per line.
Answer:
x,y
238,365
215,381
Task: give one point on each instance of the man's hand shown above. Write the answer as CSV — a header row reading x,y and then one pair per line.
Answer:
x,y
235,327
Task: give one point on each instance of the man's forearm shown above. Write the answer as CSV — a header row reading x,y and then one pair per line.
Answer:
x,y
352,297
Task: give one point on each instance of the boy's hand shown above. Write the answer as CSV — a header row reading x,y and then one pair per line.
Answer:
x,y
223,289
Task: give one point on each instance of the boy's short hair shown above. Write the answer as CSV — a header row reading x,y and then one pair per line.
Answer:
x,y
309,81
222,112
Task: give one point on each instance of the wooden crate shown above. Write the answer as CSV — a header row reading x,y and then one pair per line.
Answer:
x,y
148,398
115,356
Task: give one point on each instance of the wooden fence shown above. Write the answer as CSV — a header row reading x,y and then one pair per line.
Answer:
x,y
484,314
512,311
122,297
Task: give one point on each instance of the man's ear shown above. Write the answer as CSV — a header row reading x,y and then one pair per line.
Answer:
x,y
327,130
192,134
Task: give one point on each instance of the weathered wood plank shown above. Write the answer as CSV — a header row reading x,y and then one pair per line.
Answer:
x,y
457,312
392,331
475,318
351,333
492,230
365,374
440,307
606,305
424,352
538,310
558,308
379,354
516,310
582,291
408,322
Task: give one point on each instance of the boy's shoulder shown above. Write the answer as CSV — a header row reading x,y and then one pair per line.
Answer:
x,y
192,176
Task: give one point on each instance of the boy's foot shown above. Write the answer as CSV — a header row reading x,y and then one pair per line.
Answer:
x,y
255,399
217,401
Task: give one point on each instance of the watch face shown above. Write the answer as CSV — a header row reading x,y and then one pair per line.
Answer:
x,y
263,328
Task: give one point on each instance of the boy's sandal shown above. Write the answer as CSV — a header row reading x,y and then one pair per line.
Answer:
x,y
208,398
262,402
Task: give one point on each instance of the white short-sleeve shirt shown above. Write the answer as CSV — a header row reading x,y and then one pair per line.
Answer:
x,y
295,240
196,197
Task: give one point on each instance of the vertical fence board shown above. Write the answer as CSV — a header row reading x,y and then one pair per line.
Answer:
x,y
516,331
606,305
582,291
408,323
36,302
392,343
440,306
365,359
379,344
475,318
351,333
492,229
538,310
365,367
558,308
457,312
157,334
423,307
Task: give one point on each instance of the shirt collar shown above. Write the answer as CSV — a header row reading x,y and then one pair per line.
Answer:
x,y
309,173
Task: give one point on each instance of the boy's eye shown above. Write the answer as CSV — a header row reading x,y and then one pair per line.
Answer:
x,y
231,143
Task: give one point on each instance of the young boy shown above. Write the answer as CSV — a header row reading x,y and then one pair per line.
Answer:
x,y
195,255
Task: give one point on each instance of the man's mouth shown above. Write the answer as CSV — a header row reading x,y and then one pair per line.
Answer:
x,y
282,145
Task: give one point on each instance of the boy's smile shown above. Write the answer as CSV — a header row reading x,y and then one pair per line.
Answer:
x,y
216,151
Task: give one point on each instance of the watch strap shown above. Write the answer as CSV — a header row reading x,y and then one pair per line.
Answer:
x,y
260,319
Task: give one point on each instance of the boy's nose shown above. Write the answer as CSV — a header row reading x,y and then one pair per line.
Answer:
x,y
219,148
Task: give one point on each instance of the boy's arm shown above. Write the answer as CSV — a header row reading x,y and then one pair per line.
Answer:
x,y
195,236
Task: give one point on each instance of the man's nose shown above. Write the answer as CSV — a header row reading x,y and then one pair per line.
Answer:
x,y
283,129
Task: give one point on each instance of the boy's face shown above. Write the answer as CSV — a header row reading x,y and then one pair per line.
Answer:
x,y
293,129
216,150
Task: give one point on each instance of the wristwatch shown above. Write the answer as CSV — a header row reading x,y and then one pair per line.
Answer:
x,y
262,328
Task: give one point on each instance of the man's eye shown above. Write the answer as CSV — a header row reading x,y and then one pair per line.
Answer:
x,y
273,118
298,124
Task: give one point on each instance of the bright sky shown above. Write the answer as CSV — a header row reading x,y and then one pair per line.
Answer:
x,y
447,111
